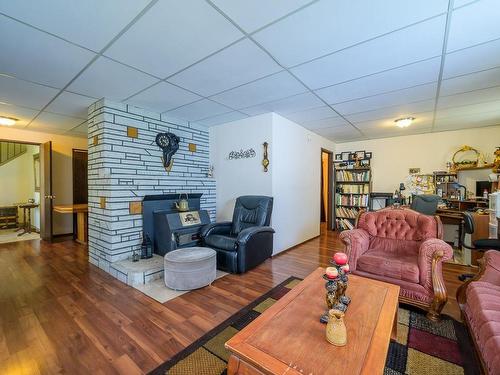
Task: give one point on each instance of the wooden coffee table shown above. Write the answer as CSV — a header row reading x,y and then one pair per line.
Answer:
x,y
289,339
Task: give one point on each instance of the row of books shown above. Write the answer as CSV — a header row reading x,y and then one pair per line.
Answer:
x,y
344,212
361,176
353,189
344,224
352,200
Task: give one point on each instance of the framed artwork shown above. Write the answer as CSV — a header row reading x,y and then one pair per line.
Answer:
x,y
360,154
36,170
189,218
368,155
338,156
365,162
345,156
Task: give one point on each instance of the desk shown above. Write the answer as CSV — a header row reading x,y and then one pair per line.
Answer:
x,y
81,211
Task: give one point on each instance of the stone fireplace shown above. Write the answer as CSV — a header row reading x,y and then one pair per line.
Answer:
x,y
125,165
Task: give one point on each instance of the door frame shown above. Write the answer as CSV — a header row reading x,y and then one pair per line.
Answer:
x,y
39,144
329,214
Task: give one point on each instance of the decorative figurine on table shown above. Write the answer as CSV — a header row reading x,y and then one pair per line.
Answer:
x,y
336,332
336,285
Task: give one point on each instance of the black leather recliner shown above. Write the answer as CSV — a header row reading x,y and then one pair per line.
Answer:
x,y
245,242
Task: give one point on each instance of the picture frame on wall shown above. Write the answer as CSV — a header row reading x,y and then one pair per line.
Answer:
x,y
360,154
365,162
36,171
345,156
338,157
368,155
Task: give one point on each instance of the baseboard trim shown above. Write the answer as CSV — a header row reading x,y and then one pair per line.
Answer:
x,y
295,246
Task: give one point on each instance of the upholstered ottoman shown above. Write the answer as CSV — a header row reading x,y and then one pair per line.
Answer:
x,y
190,268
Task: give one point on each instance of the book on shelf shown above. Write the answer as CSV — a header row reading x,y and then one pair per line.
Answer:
x,y
344,224
353,189
346,212
352,200
352,176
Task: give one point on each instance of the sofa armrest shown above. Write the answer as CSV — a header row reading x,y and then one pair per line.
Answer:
x,y
431,254
223,227
254,245
356,243
245,235
491,258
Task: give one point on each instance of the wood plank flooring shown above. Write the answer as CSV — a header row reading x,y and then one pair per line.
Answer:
x,y
59,314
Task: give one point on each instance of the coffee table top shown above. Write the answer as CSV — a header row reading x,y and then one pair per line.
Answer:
x,y
288,336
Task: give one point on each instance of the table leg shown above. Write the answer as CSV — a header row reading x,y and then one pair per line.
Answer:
x,y
24,223
394,333
29,220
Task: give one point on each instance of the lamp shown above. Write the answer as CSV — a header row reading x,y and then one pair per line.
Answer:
x,y
404,122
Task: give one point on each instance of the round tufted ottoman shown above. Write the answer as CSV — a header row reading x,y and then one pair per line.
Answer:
x,y
190,268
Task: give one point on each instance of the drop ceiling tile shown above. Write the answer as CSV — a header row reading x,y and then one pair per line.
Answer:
x,y
394,112
236,65
395,79
330,122
312,114
470,97
471,109
405,96
222,119
474,59
277,86
474,81
25,94
163,97
474,24
173,35
109,79
79,131
340,133
36,56
424,120
70,104
460,3
24,115
252,15
415,43
72,22
328,26
201,109
397,132
54,123
294,103
468,121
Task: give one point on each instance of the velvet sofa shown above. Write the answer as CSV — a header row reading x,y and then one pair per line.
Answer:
x,y
479,300
402,247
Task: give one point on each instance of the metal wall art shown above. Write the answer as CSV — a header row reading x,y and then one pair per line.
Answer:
x,y
169,144
242,154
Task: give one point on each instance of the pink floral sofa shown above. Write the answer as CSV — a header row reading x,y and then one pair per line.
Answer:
x,y
403,247
479,301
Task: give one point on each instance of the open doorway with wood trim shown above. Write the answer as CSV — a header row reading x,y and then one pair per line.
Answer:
x,y
21,197
326,216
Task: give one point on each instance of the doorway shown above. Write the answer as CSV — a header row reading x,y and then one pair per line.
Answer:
x,y
326,188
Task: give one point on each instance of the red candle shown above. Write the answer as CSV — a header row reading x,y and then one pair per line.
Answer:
x,y
345,268
340,258
332,273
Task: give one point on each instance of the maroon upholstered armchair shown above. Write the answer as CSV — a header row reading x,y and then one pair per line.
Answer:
x,y
403,247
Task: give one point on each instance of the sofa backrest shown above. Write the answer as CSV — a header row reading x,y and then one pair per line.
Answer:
x,y
400,224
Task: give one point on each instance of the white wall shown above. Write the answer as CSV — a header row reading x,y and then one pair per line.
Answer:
x,y
296,182
392,157
293,179
17,183
241,176
62,167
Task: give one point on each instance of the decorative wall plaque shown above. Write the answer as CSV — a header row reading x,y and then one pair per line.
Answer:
x,y
265,161
132,132
169,144
242,154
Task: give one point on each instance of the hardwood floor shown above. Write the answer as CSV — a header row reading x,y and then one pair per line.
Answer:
x,y
59,314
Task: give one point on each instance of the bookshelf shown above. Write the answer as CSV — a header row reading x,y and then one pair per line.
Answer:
x,y
352,194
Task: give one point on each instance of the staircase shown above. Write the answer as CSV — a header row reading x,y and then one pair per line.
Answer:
x,y
10,150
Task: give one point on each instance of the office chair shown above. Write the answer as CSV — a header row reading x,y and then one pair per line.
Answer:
x,y
478,245
425,204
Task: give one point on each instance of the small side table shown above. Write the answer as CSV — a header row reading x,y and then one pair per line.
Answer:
x,y
26,226
81,211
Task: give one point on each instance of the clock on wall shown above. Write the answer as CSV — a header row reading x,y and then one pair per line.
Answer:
x,y
169,144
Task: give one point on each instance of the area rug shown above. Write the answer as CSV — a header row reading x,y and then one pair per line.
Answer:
x,y
157,290
10,235
422,347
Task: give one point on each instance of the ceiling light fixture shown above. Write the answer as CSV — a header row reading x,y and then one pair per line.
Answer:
x,y
8,121
404,122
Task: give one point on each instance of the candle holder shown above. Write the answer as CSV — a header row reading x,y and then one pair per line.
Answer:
x,y
335,291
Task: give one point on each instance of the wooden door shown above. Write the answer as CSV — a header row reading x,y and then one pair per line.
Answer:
x,y
46,195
